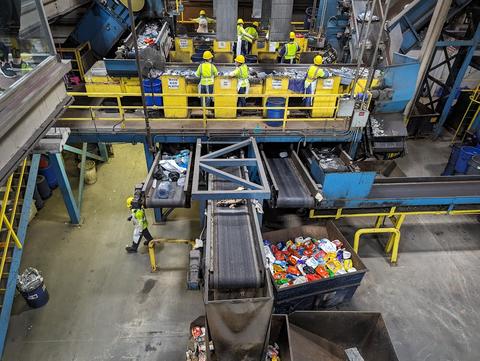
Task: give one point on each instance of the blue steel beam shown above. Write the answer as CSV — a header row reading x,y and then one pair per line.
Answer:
x,y
81,181
73,211
230,177
17,253
71,149
102,147
458,81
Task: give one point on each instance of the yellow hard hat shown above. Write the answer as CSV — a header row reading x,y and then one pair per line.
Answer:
x,y
240,59
207,55
129,202
256,23
318,60
292,35
240,21
202,12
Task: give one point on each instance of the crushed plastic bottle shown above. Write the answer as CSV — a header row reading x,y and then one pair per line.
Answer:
x,y
163,189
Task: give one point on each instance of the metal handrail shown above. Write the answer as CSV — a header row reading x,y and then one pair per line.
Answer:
x,y
391,245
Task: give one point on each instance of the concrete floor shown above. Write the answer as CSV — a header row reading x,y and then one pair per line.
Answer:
x,y
106,305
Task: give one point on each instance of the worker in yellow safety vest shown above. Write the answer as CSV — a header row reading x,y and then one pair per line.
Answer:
x,y
253,31
241,72
288,52
140,226
203,22
207,72
242,39
314,72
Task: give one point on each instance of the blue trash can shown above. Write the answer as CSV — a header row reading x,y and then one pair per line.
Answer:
x,y
152,86
31,286
474,165
49,173
275,113
466,153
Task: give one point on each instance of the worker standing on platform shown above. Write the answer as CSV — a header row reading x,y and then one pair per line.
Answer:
x,y
288,52
141,226
253,31
203,22
242,39
314,72
241,72
207,72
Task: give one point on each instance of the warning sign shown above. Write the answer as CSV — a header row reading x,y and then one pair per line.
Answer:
x,y
328,84
173,83
276,84
183,43
221,44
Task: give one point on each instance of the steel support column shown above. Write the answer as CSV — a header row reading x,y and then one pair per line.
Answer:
x,y
149,157
73,211
17,252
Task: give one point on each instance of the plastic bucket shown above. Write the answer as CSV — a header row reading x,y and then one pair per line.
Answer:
x,y
474,165
251,59
90,171
43,187
466,153
37,297
152,86
49,174
197,57
450,167
275,113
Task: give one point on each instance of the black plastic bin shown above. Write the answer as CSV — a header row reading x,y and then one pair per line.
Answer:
x,y
321,294
339,336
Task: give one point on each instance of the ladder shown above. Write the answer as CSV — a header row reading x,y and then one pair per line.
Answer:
x,y
470,114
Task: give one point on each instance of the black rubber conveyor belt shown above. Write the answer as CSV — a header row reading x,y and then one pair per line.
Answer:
x,y
292,190
235,260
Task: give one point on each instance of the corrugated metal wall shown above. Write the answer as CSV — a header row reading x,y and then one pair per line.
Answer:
x,y
281,15
226,12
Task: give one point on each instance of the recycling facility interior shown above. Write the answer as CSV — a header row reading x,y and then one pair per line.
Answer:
x,y
257,180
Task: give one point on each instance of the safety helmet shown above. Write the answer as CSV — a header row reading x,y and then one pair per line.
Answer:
x,y
207,55
292,35
240,21
202,12
256,23
129,202
240,59
318,60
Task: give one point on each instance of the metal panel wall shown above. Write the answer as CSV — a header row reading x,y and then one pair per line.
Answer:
x,y
266,11
257,9
281,16
226,12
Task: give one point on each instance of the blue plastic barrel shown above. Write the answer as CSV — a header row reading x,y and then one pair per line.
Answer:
x,y
43,188
251,59
474,165
275,113
152,86
197,57
466,153
37,297
49,173
450,167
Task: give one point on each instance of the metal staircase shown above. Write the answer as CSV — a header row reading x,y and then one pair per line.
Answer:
x,y
471,113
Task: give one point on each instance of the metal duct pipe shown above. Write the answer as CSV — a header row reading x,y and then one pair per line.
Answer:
x,y
280,19
226,12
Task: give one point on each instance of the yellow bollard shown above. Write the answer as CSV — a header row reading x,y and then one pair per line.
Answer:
x,y
395,239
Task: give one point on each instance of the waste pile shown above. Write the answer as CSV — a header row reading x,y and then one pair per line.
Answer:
x,y
29,280
149,35
306,259
197,351
171,169
329,161
273,353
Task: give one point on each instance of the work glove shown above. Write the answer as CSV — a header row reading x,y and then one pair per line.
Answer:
x,y
129,218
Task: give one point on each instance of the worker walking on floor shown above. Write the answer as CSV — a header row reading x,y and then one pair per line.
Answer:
x,y
203,22
288,52
314,72
141,226
253,31
207,72
241,72
242,39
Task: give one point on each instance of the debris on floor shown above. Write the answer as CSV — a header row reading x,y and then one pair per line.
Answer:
x,y
307,259
273,353
197,350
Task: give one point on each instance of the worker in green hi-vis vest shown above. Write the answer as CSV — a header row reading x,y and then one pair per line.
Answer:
x,y
141,226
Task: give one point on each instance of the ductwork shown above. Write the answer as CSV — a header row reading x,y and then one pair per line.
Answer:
x,y
226,12
281,16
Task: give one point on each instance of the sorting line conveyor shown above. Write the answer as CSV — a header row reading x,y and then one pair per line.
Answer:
x,y
233,242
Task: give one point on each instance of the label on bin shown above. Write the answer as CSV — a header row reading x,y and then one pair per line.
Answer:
x,y
328,84
221,44
173,83
225,83
183,43
272,46
276,84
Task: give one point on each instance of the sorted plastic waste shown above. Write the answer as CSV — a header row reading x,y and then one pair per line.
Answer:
x,y
29,280
306,259
273,353
198,353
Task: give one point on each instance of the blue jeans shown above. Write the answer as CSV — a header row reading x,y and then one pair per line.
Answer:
x,y
309,100
242,101
206,89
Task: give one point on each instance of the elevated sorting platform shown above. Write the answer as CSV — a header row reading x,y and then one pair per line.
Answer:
x,y
292,185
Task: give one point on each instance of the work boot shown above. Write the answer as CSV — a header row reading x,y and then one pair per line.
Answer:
x,y
7,71
145,243
131,249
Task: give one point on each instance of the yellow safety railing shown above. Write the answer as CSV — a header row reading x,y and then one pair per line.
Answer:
x,y
9,223
474,101
153,242
392,245
77,54
94,115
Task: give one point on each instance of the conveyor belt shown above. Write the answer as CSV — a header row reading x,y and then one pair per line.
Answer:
x,y
235,262
292,190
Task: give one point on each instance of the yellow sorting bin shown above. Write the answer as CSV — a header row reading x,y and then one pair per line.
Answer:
x,y
274,85
225,90
175,106
130,85
184,44
222,46
98,81
321,98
